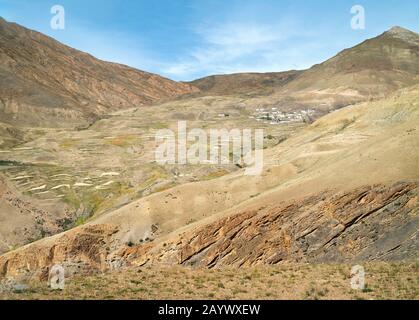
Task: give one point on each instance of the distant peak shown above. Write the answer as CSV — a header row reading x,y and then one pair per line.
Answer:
x,y
404,34
397,30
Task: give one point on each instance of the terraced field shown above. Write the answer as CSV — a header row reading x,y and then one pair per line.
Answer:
x,y
95,170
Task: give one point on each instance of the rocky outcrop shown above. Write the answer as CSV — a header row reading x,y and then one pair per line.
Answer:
x,y
369,223
79,251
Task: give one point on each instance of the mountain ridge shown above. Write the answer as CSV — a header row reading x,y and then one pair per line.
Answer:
x,y
57,82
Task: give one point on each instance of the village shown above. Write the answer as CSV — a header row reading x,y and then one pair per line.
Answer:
x,y
274,116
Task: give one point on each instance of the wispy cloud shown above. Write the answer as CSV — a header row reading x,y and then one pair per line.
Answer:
x,y
239,47
222,49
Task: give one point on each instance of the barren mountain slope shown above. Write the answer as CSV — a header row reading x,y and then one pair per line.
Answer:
x,y
371,69
344,189
112,163
45,83
249,84
353,197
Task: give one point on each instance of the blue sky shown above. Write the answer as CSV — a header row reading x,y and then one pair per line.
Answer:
x,y
188,39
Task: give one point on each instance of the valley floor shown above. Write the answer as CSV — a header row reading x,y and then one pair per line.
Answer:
x,y
284,282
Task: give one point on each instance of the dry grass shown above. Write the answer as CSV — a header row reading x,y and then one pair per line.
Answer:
x,y
383,281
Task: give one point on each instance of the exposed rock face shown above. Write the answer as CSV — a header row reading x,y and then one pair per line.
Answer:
x,y
43,82
369,223
79,251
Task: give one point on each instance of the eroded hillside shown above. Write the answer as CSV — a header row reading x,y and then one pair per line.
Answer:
x,y
343,189
45,83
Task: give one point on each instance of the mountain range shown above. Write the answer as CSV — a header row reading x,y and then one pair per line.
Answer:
x,y
44,81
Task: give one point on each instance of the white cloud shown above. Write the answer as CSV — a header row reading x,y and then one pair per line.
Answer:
x,y
232,35
239,47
